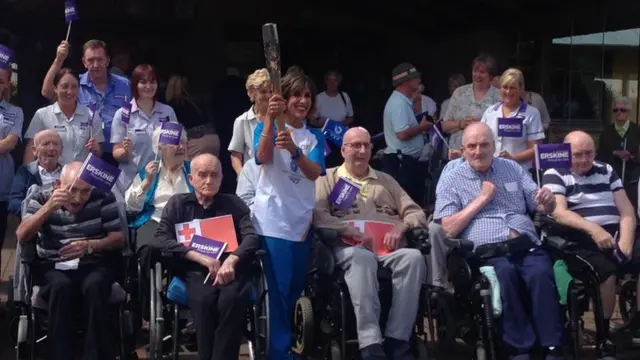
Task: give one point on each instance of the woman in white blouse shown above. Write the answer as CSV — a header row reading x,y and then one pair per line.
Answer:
x,y
516,126
157,182
469,102
241,144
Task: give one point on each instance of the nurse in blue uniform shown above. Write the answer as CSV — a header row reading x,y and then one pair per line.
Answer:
x,y
11,118
291,160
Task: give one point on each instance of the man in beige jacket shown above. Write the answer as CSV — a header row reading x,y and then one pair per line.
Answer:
x,y
379,198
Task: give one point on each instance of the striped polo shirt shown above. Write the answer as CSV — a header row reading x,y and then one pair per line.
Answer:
x,y
589,195
98,218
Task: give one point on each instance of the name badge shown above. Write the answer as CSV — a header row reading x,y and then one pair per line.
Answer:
x,y
511,186
7,121
84,124
60,128
140,131
120,97
164,119
344,193
510,127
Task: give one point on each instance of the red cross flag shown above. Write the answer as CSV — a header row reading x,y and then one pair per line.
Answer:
x,y
219,228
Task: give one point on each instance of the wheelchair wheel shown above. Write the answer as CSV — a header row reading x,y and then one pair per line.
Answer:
x,y
445,323
627,300
332,351
304,326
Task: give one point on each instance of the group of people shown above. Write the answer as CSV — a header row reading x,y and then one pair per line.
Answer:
x,y
485,194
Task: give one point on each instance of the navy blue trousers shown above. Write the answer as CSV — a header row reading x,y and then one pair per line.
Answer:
x,y
525,320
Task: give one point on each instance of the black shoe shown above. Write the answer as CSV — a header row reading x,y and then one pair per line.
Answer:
x,y
373,352
606,351
397,349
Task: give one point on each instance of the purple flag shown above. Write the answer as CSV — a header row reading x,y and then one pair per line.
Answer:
x,y
70,12
170,133
334,131
510,127
126,113
553,156
207,247
98,173
327,148
344,193
6,56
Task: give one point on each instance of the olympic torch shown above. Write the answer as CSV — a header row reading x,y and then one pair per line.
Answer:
x,y
272,56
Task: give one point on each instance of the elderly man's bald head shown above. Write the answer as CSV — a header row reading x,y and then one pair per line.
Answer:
x,y
205,160
583,151
206,176
476,129
46,134
359,133
579,137
70,172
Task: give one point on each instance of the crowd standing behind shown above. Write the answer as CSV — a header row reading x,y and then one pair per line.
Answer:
x,y
485,194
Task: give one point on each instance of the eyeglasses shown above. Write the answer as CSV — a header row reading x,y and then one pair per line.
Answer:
x,y
358,146
620,110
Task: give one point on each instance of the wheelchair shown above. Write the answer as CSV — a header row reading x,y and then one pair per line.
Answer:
x,y
31,324
324,321
169,310
468,314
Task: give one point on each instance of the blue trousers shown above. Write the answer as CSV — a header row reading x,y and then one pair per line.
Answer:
x,y
531,275
286,270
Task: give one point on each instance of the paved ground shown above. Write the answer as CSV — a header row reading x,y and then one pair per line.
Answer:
x,y
6,351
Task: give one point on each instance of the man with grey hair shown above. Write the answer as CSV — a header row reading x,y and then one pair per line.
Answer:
x,y
44,171
619,143
486,200
379,198
218,292
77,229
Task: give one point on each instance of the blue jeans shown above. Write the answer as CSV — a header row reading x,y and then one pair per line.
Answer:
x,y
286,271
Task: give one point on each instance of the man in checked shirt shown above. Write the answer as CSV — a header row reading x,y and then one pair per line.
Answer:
x,y
486,200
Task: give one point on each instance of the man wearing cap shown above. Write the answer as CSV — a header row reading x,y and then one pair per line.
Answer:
x,y
402,132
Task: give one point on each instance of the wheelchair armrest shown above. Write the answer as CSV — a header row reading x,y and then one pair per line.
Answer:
x,y
327,236
418,238
465,246
556,243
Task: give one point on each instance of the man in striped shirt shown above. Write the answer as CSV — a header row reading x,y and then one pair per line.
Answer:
x,y
78,232
591,200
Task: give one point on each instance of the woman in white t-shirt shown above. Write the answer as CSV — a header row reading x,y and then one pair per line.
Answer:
x,y
516,126
241,145
291,160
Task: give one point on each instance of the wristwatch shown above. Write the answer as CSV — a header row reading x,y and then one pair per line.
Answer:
x,y
297,154
89,247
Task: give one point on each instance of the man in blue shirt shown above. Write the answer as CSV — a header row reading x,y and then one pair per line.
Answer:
x,y
486,200
98,86
403,133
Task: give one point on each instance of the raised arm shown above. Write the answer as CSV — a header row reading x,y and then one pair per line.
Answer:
x,y
47,84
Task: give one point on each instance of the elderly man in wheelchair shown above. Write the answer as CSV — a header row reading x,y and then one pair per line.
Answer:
x,y
358,251
78,234
217,291
601,223
486,201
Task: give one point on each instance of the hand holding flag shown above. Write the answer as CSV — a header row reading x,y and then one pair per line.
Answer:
x,y
170,134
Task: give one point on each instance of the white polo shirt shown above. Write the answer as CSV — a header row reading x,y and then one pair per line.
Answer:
x,y
333,107
532,129
285,198
242,139
140,130
75,131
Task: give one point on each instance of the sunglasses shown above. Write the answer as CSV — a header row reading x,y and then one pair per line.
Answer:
x,y
620,110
